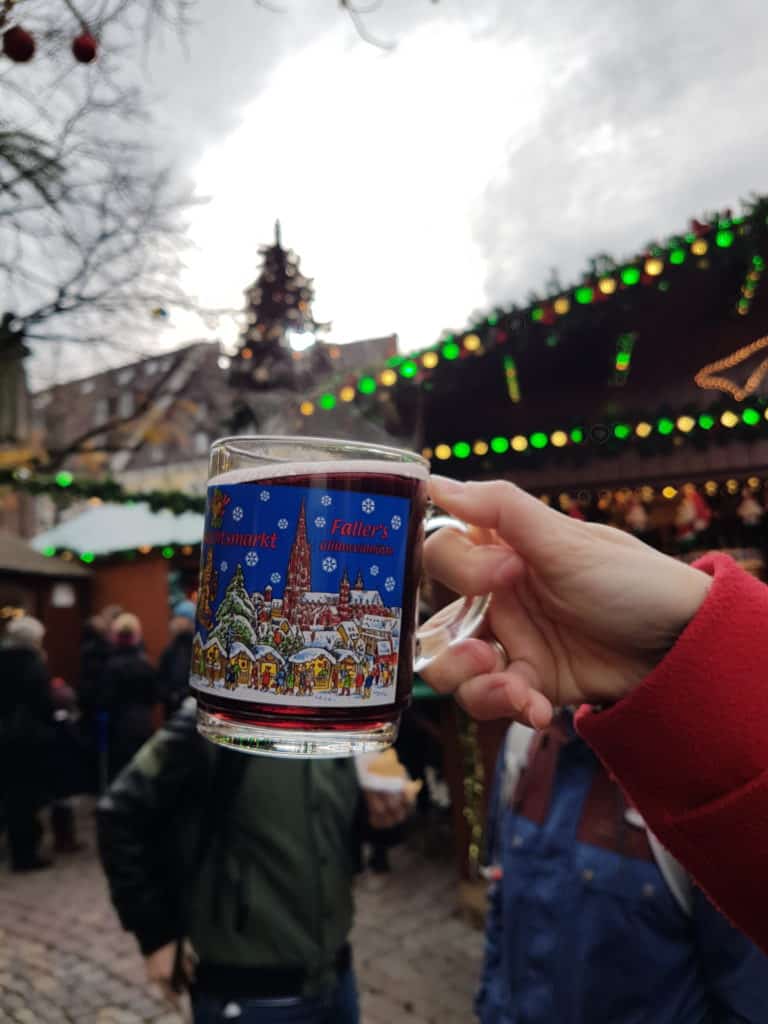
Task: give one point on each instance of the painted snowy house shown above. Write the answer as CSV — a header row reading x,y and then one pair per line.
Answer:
x,y
348,631
241,661
215,661
375,629
318,662
326,638
265,659
198,656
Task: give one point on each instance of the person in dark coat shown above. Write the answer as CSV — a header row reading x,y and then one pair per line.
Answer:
x,y
26,734
175,660
128,693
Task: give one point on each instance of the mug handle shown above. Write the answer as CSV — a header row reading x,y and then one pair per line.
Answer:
x,y
457,621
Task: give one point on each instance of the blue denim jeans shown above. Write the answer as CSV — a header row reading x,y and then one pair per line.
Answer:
x,y
339,1008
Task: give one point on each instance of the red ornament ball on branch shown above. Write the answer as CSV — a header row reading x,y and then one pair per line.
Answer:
x,y
18,44
84,47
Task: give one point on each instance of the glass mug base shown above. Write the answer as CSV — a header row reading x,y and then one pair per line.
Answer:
x,y
252,738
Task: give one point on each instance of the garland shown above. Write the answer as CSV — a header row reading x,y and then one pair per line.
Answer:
x,y
474,789
605,282
64,486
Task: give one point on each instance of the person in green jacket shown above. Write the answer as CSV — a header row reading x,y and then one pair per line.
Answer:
x,y
246,861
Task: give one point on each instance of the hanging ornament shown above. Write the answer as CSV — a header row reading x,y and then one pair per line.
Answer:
x,y
750,512
18,44
84,47
692,518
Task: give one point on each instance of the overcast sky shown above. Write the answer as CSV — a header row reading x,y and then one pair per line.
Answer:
x,y
498,140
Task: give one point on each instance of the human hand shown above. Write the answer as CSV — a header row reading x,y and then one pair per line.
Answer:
x,y
385,809
583,611
160,965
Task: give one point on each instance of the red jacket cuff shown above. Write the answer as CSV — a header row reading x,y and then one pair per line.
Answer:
x,y
695,728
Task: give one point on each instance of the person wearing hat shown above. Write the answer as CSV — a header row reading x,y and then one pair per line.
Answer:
x,y
173,669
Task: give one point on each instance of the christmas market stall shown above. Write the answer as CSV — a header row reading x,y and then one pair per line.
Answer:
x,y
54,590
142,560
637,396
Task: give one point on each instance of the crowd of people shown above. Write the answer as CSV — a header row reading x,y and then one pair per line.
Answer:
x,y
58,740
621,833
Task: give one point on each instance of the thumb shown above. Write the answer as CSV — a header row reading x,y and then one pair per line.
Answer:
x,y
524,522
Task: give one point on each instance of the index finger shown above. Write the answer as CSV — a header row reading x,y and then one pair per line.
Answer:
x,y
525,523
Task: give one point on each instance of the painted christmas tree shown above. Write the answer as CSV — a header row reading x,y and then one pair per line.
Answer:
x,y
278,311
235,615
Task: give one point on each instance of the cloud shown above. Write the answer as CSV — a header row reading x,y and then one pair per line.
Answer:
x,y
651,114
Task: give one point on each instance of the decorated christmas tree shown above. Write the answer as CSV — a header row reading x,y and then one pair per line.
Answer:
x,y
278,312
209,583
235,615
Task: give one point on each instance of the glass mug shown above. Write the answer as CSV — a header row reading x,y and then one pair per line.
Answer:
x,y
306,641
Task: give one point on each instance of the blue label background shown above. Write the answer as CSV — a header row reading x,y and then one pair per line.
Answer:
x,y
264,506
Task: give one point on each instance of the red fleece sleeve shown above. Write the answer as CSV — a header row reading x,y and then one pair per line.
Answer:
x,y
690,745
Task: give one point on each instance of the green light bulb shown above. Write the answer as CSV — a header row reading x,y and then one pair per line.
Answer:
x,y
677,256
751,417
462,450
539,440
450,351
584,295
706,422
499,445
630,275
665,425
327,401
409,368
366,385
622,431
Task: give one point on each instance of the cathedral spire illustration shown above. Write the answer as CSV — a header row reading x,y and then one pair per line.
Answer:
x,y
298,578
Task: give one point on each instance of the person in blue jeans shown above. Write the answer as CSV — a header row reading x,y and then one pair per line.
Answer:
x,y
590,920
235,875
338,1007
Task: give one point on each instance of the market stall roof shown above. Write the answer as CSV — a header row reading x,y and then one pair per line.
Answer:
x,y
18,558
105,529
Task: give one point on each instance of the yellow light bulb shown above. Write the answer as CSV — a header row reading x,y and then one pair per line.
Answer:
x,y
754,482
729,419
427,453
711,488
699,247
443,451
646,493
732,485
480,447
686,424
519,443
654,266
347,393
307,408
607,285
559,439
387,378
430,360
472,343
643,429
669,492
561,305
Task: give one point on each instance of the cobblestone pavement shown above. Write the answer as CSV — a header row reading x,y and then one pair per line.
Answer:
x,y
64,958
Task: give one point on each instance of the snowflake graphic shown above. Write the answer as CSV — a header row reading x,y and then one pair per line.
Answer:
x,y
374,570
396,522
275,577
224,566
368,505
282,524
237,513
265,495
252,558
319,522
329,564
325,500
389,583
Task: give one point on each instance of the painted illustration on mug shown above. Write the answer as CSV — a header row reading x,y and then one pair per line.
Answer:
x,y
300,596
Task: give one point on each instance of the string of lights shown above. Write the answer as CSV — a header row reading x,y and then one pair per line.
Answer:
x,y
639,431
653,268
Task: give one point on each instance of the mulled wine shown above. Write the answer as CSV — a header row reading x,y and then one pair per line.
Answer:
x,y
307,604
